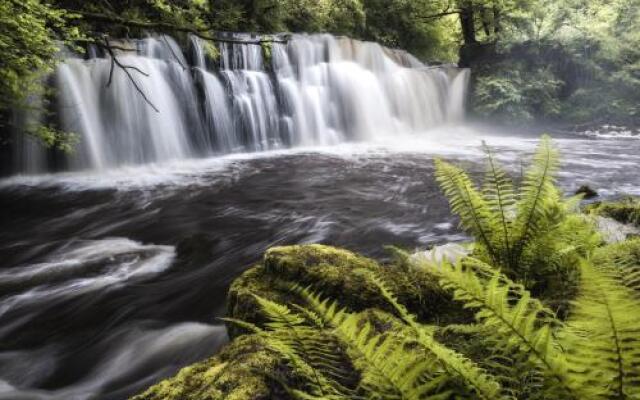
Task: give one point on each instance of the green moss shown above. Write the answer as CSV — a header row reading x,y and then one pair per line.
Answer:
x,y
626,210
246,369
332,272
240,372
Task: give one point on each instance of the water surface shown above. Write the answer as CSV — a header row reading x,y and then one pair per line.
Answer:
x,y
110,281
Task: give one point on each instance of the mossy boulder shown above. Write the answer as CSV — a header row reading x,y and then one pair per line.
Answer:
x,y
248,369
625,210
335,273
238,372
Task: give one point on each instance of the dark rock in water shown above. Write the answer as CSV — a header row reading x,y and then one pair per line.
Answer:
x,y
196,249
587,191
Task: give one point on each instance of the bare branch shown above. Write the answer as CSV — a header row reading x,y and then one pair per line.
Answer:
x,y
115,62
164,37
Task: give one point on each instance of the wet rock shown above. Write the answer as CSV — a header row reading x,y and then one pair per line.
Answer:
x,y
587,192
613,231
452,252
625,210
195,250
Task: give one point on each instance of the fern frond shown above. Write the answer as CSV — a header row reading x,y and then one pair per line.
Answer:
x,y
280,316
515,321
499,194
390,297
243,324
454,363
315,356
623,262
603,337
467,203
390,369
310,316
537,192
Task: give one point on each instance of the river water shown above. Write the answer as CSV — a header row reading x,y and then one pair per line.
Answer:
x,y
112,280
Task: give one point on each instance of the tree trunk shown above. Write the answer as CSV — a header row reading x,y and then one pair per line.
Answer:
x,y
496,20
467,22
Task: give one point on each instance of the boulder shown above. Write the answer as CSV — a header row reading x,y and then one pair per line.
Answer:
x,y
333,273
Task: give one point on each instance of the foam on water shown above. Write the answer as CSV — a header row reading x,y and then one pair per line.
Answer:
x,y
83,267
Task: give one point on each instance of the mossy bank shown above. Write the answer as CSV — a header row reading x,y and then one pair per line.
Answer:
x,y
248,368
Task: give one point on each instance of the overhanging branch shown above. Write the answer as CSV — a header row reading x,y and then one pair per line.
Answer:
x,y
165,26
115,62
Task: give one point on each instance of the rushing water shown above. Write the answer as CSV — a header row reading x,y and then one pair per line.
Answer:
x,y
113,280
112,277
310,90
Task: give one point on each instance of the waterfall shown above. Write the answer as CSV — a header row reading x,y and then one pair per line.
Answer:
x,y
240,96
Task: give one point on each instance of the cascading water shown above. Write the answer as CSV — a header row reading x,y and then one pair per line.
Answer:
x,y
311,90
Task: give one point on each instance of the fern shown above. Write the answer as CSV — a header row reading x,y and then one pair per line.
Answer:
x,y
467,203
315,356
623,262
515,321
392,368
444,358
456,364
603,336
499,194
532,234
537,193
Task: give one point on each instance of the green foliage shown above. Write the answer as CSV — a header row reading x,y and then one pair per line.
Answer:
x,y
605,326
515,96
408,25
31,35
570,61
532,234
516,324
390,364
531,353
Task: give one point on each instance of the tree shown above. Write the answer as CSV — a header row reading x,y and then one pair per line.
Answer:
x,y
31,35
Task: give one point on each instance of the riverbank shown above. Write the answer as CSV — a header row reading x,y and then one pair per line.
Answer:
x,y
250,367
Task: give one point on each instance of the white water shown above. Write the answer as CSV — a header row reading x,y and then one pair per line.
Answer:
x,y
314,90
100,264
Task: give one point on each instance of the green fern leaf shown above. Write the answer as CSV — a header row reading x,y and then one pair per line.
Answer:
x,y
516,322
603,336
537,194
499,194
468,204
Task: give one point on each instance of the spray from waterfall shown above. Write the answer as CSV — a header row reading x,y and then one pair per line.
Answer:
x,y
311,90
